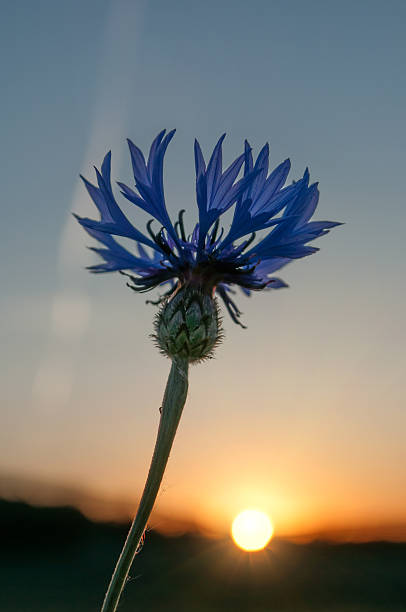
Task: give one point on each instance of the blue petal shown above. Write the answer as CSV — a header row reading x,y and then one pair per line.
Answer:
x,y
217,191
261,165
271,187
276,283
153,152
269,266
149,180
117,257
98,199
262,198
199,160
113,221
138,162
249,164
227,180
214,169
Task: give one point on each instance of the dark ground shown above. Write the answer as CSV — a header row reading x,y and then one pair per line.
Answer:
x,y
56,560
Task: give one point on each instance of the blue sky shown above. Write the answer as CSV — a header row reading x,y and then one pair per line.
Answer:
x,y
319,373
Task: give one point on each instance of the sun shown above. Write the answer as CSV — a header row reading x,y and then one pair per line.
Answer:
x,y
252,530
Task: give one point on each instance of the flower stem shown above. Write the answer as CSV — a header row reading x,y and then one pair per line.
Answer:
x,y
171,411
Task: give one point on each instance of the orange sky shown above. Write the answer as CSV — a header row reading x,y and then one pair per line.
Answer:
x,y
300,453
308,440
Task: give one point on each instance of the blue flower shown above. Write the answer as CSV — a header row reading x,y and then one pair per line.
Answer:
x,y
208,258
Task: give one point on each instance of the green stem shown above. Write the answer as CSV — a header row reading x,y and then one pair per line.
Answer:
x,y
171,411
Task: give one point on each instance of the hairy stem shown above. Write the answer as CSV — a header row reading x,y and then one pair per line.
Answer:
x,y
171,411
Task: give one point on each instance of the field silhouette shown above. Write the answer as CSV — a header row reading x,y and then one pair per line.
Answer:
x,y
56,560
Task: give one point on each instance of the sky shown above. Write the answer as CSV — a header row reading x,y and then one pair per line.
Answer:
x,y
302,414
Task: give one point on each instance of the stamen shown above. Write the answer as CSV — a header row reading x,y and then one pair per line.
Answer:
x,y
155,302
159,238
249,241
133,278
234,316
144,283
161,242
231,307
181,225
149,230
214,232
216,250
165,265
162,297
138,289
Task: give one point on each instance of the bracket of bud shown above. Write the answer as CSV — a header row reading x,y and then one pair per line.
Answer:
x,y
188,325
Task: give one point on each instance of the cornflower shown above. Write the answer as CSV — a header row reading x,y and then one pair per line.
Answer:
x,y
197,268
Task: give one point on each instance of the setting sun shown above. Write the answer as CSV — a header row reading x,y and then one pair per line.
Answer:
x,y
252,530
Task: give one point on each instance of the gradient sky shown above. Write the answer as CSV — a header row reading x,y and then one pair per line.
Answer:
x,y
303,414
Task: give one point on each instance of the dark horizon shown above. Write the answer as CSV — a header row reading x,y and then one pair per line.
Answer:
x,y
43,496
63,560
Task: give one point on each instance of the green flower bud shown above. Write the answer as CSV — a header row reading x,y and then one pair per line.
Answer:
x,y
188,325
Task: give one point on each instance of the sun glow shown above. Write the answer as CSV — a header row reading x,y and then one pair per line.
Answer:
x,y
252,530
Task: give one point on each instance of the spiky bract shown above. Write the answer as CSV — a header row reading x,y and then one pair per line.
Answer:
x,y
188,325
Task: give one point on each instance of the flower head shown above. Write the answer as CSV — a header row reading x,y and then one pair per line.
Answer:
x,y
209,258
